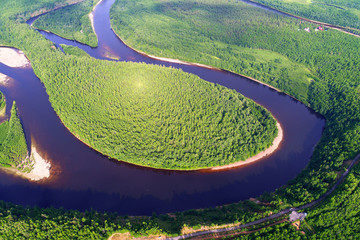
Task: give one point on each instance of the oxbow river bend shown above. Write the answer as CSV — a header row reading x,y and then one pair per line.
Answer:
x,y
84,179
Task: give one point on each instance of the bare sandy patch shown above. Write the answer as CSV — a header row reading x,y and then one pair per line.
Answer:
x,y
127,236
91,16
4,79
121,236
40,168
13,57
266,152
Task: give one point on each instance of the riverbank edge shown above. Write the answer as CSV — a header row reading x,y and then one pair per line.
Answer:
x,y
50,10
17,58
273,147
171,60
91,17
267,152
40,167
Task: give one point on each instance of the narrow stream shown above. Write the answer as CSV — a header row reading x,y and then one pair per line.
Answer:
x,y
84,179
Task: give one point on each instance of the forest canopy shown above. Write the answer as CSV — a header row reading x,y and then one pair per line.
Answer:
x,y
333,89
13,148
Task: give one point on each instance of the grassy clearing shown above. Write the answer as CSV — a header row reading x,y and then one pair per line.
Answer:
x,y
75,51
211,33
338,12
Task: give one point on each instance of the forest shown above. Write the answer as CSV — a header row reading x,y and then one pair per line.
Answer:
x,y
178,29
13,148
155,116
332,58
194,32
65,22
147,115
345,13
333,89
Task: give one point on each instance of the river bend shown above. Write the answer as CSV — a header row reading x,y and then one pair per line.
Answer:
x,y
84,179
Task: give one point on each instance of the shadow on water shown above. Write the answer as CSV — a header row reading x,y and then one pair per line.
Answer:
x,y
84,179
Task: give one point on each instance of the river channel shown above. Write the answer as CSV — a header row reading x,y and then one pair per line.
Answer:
x,y
84,179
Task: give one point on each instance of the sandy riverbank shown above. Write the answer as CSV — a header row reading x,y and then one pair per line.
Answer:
x,y
266,152
40,167
13,57
91,17
4,79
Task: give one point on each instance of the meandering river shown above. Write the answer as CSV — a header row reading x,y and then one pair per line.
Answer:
x,y
84,179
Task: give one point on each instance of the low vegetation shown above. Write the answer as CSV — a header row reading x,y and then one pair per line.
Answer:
x,y
70,50
66,22
345,13
20,11
193,31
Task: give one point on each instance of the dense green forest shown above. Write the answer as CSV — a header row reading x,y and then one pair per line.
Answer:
x,y
13,148
18,222
332,59
192,30
155,116
66,23
144,114
345,13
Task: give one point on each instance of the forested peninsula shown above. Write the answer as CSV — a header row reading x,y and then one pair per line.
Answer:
x,y
147,115
226,35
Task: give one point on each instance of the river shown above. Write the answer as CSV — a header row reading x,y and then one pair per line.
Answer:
x,y
84,179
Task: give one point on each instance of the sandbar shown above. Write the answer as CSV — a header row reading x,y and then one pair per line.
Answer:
x,y
40,167
13,58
